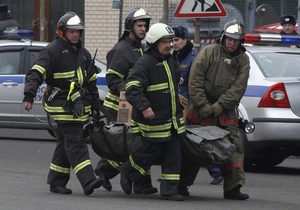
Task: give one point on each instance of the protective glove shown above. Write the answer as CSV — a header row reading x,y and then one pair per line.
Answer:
x,y
205,111
78,109
217,109
68,106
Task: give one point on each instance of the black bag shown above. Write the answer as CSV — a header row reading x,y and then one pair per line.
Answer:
x,y
114,141
207,144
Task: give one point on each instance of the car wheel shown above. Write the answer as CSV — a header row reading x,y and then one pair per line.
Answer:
x,y
268,163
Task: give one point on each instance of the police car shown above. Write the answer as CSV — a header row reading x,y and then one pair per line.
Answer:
x,y
16,58
272,99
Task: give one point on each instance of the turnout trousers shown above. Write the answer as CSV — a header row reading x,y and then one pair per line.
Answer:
x,y
232,170
167,154
70,151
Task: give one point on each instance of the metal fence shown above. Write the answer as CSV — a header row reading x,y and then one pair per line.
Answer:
x,y
265,12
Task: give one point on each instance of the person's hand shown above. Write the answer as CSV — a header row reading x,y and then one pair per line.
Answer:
x,y
78,109
95,114
148,114
27,105
217,109
205,111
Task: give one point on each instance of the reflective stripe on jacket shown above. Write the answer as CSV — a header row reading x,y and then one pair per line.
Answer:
x,y
153,83
120,61
63,67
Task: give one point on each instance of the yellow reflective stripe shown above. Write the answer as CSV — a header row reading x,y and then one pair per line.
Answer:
x,y
147,173
172,91
161,86
40,69
114,164
94,77
162,134
141,50
72,86
135,130
110,71
113,97
181,120
135,166
145,127
75,96
53,109
81,166
61,75
111,105
171,177
82,118
80,76
59,169
181,130
133,83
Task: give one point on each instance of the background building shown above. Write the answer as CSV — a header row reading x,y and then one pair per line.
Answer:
x,y
104,19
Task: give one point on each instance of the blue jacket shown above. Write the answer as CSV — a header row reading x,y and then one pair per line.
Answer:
x,y
184,59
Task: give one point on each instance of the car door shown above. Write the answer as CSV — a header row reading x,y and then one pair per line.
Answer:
x,y
37,115
11,84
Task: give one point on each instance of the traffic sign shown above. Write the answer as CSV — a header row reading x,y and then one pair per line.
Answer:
x,y
200,9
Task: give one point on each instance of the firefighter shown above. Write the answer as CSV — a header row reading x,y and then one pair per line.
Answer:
x,y
151,88
71,95
218,80
120,61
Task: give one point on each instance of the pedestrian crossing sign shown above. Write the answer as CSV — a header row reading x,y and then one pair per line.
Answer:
x,y
200,9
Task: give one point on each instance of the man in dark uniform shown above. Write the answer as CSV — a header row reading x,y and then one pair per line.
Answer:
x,y
120,61
6,21
151,89
288,23
71,95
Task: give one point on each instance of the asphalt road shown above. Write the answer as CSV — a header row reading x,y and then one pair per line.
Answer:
x,y
25,157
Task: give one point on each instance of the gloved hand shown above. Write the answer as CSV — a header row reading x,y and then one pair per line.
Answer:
x,y
217,109
205,111
78,109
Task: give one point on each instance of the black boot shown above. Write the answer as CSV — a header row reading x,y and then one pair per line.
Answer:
x,y
183,190
60,190
125,182
144,186
235,194
172,197
89,189
106,183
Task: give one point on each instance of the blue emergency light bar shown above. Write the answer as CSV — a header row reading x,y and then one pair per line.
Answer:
x,y
18,34
260,38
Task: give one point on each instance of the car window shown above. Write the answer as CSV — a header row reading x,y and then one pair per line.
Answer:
x,y
274,64
9,62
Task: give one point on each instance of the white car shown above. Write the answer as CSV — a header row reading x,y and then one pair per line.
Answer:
x,y
272,100
16,58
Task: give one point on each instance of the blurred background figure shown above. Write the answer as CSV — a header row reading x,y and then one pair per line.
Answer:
x,y
288,23
7,23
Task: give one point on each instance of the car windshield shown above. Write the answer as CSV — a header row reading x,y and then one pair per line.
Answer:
x,y
278,64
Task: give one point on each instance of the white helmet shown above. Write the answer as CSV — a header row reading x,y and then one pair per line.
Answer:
x,y
158,31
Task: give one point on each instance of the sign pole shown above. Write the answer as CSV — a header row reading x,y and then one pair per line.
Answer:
x,y
197,35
